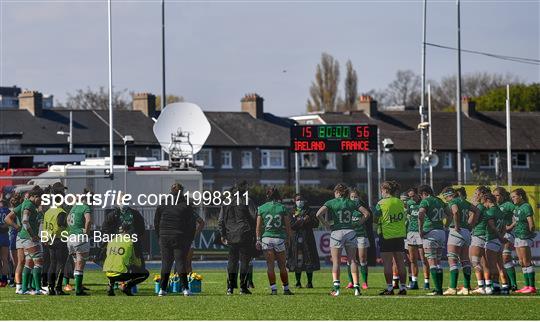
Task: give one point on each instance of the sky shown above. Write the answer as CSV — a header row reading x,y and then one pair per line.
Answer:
x,y
217,51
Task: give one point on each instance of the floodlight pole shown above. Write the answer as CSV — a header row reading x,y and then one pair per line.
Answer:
x,y
163,92
423,95
111,146
458,101
430,136
70,132
369,183
508,139
378,163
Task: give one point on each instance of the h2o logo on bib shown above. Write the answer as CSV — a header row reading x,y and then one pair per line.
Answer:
x,y
396,217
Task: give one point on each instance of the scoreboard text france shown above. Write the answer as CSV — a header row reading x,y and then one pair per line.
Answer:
x,y
334,138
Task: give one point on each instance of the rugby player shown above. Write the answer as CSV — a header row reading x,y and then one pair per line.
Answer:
x,y
359,220
523,225
478,242
430,221
340,211
414,242
507,207
463,216
495,241
273,229
79,223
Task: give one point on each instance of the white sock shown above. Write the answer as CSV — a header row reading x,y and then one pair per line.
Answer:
x,y
273,287
481,283
414,278
488,282
18,287
390,287
395,277
426,280
286,287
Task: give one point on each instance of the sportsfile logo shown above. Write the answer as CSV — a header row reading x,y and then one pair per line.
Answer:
x,y
109,198
119,198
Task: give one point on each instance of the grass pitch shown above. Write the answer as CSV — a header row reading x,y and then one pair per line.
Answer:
x,y
306,304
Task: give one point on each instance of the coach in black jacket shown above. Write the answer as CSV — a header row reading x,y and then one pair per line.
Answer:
x,y
175,227
237,228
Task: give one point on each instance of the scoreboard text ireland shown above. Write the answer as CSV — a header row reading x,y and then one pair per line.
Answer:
x,y
334,138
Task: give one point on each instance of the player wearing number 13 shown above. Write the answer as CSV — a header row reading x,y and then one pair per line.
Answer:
x,y
273,228
340,211
430,220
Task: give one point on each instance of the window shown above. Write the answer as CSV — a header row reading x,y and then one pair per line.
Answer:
x,y
387,161
48,150
488,160
247,160
360,160
331,158
447,160
272,159
205,155
272,182
156,153
208,185
308,160
520,160
90,153
226,160
310,183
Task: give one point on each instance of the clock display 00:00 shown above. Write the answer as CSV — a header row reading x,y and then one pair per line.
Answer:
x,y
333,138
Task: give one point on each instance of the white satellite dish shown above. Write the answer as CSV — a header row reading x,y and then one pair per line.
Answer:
x,y
184,117
431,160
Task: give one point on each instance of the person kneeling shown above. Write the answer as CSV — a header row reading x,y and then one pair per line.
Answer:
x,y
123,265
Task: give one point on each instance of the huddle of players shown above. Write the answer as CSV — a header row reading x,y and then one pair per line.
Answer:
x,y
41,235
482,235
27,220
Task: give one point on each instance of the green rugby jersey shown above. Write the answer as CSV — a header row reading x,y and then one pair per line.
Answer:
x,y
481,225
273,215
32,220
495,214
412,215
464,207
75,219
434,213
341,211
507,209
360,229
521,213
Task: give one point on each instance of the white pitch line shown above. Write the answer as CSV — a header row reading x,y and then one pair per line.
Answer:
x,y
446,297
10,301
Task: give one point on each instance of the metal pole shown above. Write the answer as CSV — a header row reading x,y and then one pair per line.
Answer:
x,y
508,138
369,183
70,131
296,172
497,172
378,163
430,136
458,100
422,97
384,165
125,165
111,147
163,92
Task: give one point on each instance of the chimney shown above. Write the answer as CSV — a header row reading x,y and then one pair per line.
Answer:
x,y
253,104
367,105
468,106
145,102
31,101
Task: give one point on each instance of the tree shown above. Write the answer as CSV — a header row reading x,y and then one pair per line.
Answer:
x,y
351,88
522,98
89,99
472,85
170,99
405,89
324,90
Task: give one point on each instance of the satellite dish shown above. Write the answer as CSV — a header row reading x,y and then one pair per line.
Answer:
x,y
431,160
185,117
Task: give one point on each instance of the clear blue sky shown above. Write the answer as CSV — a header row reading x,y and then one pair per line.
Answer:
x,y
218,51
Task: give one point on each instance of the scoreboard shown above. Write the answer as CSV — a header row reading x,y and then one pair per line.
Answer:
x,y
334,138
